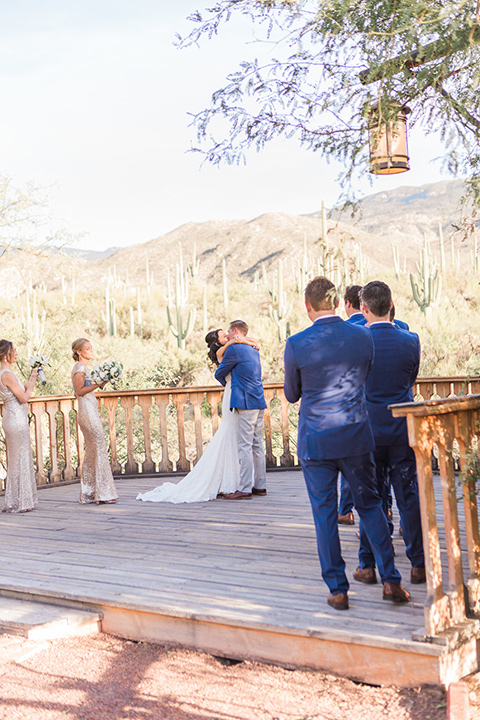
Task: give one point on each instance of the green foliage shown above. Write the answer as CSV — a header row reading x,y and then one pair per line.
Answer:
x,y
334,60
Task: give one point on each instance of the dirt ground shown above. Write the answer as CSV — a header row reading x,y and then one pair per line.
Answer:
x,y
104,678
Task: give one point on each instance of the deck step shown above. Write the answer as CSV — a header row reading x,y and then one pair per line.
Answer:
x,y
43,621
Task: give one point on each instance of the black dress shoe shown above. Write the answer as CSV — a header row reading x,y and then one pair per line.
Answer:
x,y
259,491
365,575
338,601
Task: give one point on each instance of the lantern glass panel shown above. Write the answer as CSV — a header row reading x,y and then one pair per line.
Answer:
x,y
388,147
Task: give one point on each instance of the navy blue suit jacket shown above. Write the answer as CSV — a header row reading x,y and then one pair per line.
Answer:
x,y
357,318
394,371
327,365
243,361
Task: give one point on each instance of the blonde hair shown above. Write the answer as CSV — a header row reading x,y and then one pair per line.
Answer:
x,y
6,350
77,346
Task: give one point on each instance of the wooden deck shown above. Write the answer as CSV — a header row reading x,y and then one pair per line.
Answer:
x,y
238,579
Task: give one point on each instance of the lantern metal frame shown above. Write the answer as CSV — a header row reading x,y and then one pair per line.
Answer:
x,y
388,142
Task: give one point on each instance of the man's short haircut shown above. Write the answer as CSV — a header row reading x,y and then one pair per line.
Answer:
x,y
352,296
377,297
240,325
321,294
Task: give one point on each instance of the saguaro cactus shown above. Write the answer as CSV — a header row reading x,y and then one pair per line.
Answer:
x,y
279,309
193,268
426,287
178,326
396,260
303,272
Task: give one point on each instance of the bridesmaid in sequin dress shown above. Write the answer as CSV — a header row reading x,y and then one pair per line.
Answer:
x,y
96,482
21,489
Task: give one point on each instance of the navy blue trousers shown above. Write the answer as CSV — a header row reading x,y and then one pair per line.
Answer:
x,y
321,479
395,465
345,504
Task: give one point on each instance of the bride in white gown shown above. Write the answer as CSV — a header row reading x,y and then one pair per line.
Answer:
x,y
217,471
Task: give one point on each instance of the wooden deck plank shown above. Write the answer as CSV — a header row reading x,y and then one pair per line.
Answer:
x,y
252,564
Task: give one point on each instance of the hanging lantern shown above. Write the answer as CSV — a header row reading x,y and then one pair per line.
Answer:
x,y
388,143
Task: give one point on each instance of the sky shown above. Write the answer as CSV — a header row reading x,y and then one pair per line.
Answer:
x,y
95,107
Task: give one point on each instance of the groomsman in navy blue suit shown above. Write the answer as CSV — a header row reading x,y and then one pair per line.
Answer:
x,y
394,371
326,366
351,301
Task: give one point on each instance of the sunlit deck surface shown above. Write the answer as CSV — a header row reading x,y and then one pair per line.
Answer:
x,y
239,579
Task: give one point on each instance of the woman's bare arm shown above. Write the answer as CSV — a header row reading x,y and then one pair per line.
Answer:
x,y
21,393
80,387
237,339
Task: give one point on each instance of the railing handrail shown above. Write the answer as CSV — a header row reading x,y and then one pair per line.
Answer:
x,y
436,407
195,389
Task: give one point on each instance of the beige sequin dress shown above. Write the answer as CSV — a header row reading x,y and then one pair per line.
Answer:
x,y
21,489
96,481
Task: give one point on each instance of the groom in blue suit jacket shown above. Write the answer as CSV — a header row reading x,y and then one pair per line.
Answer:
x,y
394,372
326,366
248,400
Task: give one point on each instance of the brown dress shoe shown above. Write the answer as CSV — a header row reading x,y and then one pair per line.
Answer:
x,y
338,601
417,575
347,519
365,575
259,491
237,495
395,593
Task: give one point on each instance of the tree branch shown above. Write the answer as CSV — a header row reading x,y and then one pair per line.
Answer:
x,y
433,51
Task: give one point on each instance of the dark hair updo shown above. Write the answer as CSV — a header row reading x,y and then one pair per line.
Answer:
x,y
211,339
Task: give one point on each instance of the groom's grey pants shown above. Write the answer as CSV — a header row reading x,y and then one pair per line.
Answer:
x,y
250,450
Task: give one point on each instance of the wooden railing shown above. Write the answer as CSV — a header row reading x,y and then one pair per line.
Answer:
x,y
165,430
453,425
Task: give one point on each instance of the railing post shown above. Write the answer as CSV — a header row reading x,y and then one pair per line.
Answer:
x,y
163,401
111,404
286,460
214,399
182,463
51,409
68,471
270,458
467,427
437,610
37,411
128,403
146,402
197,399
444,436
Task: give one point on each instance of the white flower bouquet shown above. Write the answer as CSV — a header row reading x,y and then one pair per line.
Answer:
x,y
108,371
39,361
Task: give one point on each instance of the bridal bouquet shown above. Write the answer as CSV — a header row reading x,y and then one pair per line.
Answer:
x,y
39,361
109,371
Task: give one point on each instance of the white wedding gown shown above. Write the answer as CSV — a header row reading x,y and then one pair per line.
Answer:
x,y
216,471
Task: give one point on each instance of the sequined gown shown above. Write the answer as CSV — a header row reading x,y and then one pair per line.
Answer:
x,y
21,490
96,481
